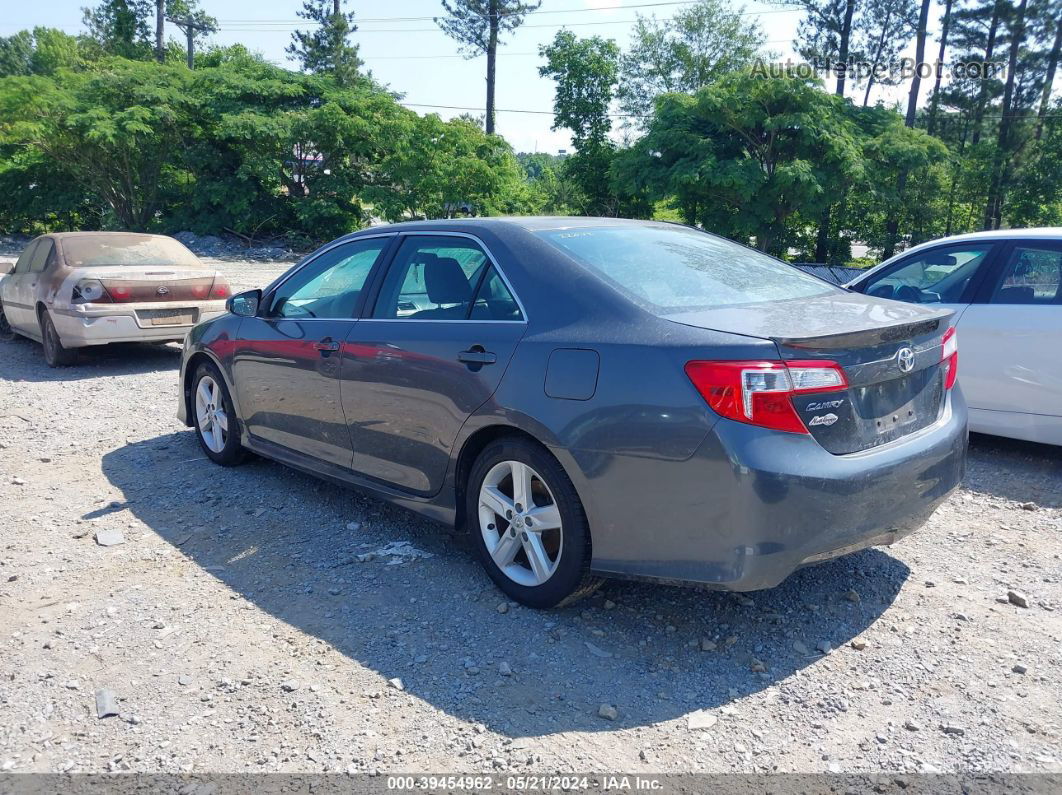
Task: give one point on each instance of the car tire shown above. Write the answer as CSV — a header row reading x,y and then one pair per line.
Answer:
x,y
216,425
55,354
7,334
532,562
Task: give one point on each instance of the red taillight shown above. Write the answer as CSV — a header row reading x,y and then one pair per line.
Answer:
x,y
220,289
120,293
949,355
200,291
760,392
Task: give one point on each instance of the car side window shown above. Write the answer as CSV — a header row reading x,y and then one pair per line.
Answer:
x,y
432,278
494,301
40,255
930,277
1032,275
22,264
329,286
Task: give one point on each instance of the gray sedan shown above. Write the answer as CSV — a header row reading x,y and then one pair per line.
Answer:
x,y
591,398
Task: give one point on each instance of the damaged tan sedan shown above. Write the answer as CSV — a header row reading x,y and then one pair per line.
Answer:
x,y
74,289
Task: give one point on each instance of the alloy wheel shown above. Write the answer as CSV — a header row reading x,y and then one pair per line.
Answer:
x,y
210,414
521,523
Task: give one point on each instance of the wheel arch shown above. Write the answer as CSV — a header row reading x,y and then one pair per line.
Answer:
x,y
477,442
187,376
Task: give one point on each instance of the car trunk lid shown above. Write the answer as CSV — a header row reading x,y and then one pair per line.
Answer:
x,y
891,355
125,284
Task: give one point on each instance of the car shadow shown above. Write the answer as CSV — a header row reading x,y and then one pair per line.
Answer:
x,y
23,360
307,552
1025,472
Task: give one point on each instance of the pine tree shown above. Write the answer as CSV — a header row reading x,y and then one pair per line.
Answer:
x,y
478,25
326,49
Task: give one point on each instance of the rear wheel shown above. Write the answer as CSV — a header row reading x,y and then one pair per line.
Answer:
x,y
54,353
216,425
528,525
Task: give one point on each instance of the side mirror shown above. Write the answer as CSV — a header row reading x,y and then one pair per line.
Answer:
x,y
245,304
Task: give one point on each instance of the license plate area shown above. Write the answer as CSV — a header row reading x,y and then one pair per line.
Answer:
x,y
168,317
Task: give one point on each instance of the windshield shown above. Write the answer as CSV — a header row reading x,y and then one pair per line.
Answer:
x,y
90,251
676,268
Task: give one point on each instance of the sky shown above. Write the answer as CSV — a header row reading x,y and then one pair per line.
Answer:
x,y
404,49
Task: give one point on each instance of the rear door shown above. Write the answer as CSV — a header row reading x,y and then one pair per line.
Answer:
x,y
286,362
443,328
1010,339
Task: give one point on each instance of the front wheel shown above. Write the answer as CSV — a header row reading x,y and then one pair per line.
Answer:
x,y
55,354
528,525
216,425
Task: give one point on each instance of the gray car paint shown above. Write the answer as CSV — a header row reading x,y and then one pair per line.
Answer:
x,y
671,490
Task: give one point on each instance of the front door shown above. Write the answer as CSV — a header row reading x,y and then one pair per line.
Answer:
x,y
19,288
442,331
287,360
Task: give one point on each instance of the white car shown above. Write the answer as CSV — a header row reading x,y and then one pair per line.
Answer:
x,y
74,289
1006,289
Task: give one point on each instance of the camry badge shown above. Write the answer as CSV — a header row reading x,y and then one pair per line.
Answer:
x,y
905,360
823,419
163,290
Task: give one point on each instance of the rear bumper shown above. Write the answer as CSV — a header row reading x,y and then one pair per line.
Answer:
x,y
99,326
751,506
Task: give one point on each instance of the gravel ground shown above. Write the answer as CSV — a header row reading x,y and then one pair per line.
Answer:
x,y
249,621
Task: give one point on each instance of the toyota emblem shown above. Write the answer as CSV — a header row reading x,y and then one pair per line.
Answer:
x,y
905,358
163,290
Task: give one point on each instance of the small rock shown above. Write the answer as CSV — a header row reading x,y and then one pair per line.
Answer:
x,y
503,608
608,712
353,526
701,719
109,537
184,679
757,666
911,726
289,685
852,596
335,591
596,650
106,703
858,644
1028,506
73,684
801,648
610,605
1017,598
396,683
951,728
504,669
824,646
707,644
1019,668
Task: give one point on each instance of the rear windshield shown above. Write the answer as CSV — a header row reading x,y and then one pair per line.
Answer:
x,y
87,252
675,269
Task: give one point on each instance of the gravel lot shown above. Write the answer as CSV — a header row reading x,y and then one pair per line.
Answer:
x,y
245,623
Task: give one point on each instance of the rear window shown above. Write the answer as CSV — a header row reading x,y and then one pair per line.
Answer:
x,y
675,269
87,252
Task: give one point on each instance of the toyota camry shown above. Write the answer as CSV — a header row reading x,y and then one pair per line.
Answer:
x,y
591,398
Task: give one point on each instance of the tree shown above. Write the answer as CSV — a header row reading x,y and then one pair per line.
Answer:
x,y
120,27
824,36
749,156
478,26
882,32
326,48
585,72
684,53
934,100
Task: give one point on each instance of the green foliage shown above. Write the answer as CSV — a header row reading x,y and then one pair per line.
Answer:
x,y
698,44
42,52
325,48
469,21
585,72
746,156
121,27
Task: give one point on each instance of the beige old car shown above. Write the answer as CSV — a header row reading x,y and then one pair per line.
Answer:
x,y
74,289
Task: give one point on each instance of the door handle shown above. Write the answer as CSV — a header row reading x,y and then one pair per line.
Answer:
x,y
477,355
326,346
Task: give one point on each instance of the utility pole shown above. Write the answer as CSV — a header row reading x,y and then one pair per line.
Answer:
x,y
190,28
160,30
